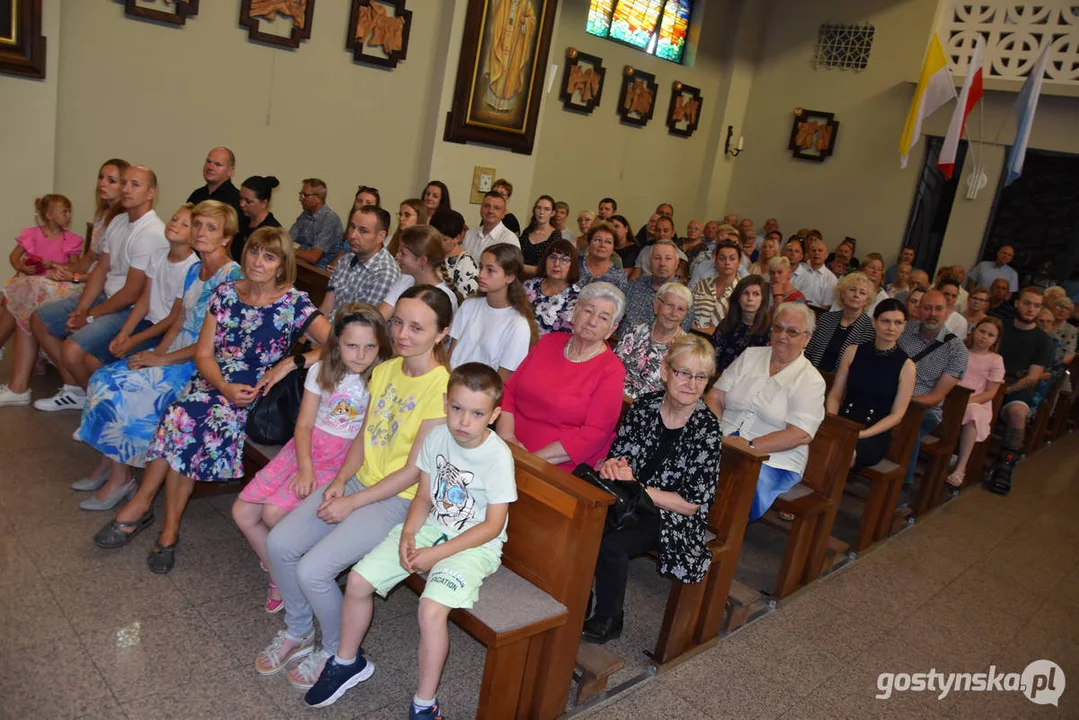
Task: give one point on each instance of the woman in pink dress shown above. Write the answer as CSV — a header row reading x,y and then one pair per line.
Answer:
x,y
985,373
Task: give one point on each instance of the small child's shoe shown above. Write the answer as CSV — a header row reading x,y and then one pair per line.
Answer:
x,y
277,656
434,712
273,605
337,679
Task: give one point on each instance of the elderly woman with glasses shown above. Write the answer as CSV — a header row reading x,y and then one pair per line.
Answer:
x,y
772,399
563,402
553,292
643,347
669,442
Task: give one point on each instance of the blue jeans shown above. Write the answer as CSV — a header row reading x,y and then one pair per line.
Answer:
x,y
93,337
929,422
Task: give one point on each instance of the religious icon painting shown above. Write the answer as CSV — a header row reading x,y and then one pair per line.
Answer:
x,y
169,12
22,46
285,23
813,134
637,101
378,32
684,112
500,75
582,81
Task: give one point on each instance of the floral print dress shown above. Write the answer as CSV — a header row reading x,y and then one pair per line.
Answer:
x,y
553,313
202,433
124,406
690,468
642,357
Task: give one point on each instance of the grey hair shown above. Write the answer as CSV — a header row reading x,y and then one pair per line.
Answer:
x,y
807,314
605,291
677,289
317,185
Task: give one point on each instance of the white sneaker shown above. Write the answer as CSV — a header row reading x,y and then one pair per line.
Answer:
x,y
9,398
70,397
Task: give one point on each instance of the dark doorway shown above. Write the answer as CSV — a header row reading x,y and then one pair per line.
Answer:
x,y
932,205
1038,215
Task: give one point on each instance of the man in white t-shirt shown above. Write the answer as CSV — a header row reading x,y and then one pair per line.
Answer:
x,y
491,230
818,282
93,319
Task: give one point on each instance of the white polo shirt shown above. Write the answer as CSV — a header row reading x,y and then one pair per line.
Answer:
x,y
817,285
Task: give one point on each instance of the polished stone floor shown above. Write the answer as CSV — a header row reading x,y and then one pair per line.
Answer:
x,y
86,633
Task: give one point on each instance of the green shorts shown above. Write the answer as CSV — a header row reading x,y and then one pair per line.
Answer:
x,y
453,582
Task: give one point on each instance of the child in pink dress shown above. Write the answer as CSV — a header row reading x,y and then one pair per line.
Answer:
x,y
332,413
985,373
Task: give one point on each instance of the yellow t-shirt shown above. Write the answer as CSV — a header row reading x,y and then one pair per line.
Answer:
x,y
399,405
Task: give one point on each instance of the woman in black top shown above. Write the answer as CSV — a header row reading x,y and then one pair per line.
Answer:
x,y
874,384
624,244
839,329
670,442
539,234
255,196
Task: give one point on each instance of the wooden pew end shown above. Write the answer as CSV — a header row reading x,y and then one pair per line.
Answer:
x,y
595,666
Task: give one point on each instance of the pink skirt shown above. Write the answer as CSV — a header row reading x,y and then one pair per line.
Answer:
x,y
23,294
981,414
271,484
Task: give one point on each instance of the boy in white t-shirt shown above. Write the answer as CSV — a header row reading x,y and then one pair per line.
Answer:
x,y
454,531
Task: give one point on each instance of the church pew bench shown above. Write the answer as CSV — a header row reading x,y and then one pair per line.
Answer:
x,y
312,281
938,447
1039,424
814,502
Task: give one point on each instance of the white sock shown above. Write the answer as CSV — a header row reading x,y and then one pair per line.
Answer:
x,y
420,703
341,661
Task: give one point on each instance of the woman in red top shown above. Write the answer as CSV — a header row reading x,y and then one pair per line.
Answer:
x,y
779,273
563,402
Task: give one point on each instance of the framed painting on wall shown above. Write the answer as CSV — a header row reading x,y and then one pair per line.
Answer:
x,y
22,46
285,23
378,32
582,81
813,134
684,112
172,12
637,101
500,74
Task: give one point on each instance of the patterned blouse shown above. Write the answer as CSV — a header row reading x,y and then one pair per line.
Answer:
x,y
464,274
642,357
729,345
554,313
708,310
614,275
690,468
533,252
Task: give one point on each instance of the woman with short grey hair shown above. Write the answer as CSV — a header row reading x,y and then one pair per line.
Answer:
x,y
643,347
564,400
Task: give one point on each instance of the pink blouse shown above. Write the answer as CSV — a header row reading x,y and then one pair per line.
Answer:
x,y
59,250
555,400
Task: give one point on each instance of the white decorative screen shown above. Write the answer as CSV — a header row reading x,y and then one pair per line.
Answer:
x,y
1015,35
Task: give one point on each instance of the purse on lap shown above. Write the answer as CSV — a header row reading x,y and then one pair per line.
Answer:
x,y
631,502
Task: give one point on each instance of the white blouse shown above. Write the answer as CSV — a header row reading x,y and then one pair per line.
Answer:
x,y
756,404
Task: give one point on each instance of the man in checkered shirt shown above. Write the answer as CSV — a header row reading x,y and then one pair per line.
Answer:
x,y
367,271
942,364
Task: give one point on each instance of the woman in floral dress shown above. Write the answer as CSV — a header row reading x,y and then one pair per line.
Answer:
x,y
643,347
250,326
125,399
553,292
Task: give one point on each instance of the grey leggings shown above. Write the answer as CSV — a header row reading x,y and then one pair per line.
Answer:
x,y
306,555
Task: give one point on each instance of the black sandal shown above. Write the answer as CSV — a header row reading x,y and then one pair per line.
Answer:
x,y
112,536
162,558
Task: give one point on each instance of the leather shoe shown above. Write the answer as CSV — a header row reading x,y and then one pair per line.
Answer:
x,y
598,629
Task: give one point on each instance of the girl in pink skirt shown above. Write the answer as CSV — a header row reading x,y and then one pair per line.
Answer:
x,y
985,373
332,413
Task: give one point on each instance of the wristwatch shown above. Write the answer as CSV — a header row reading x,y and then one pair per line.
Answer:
x,y
300,360
89,319
75,278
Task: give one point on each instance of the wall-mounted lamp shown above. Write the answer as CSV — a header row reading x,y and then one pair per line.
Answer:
x,y
727,145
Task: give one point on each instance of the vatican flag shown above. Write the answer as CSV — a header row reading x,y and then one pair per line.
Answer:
x,y
935,89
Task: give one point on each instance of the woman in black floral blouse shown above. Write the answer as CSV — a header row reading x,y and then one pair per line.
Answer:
x,y
747,323
670,442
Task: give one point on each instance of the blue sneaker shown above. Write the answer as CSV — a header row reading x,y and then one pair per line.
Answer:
x,y
337,679
428,713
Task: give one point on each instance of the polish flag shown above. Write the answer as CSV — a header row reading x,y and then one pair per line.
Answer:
x,y
968,97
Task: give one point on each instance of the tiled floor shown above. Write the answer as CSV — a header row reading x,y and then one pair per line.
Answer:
x,y
86,633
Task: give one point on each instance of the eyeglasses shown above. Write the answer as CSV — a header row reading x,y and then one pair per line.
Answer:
x,y
687,375
304,196
559,258
672,306
788,331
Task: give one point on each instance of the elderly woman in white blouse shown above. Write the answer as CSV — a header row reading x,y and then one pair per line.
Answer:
x,y
772,399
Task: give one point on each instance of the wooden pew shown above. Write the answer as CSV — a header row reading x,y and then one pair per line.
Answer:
x,y
694,612
814,502
976,466
939,446
549,559
1058,424
1036,428
312,281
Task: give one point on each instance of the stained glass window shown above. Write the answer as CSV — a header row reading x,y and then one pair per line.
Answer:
x,y
659,27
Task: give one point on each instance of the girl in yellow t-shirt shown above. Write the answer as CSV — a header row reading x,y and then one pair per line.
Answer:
x,y
330,531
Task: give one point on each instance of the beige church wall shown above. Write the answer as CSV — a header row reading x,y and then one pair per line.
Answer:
x,y
28,137
163,96
860,190
582,158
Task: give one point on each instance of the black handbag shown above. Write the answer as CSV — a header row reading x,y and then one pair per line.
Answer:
x,y
272,421
631,502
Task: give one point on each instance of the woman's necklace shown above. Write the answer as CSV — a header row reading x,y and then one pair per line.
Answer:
x,y
566,353
658,341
